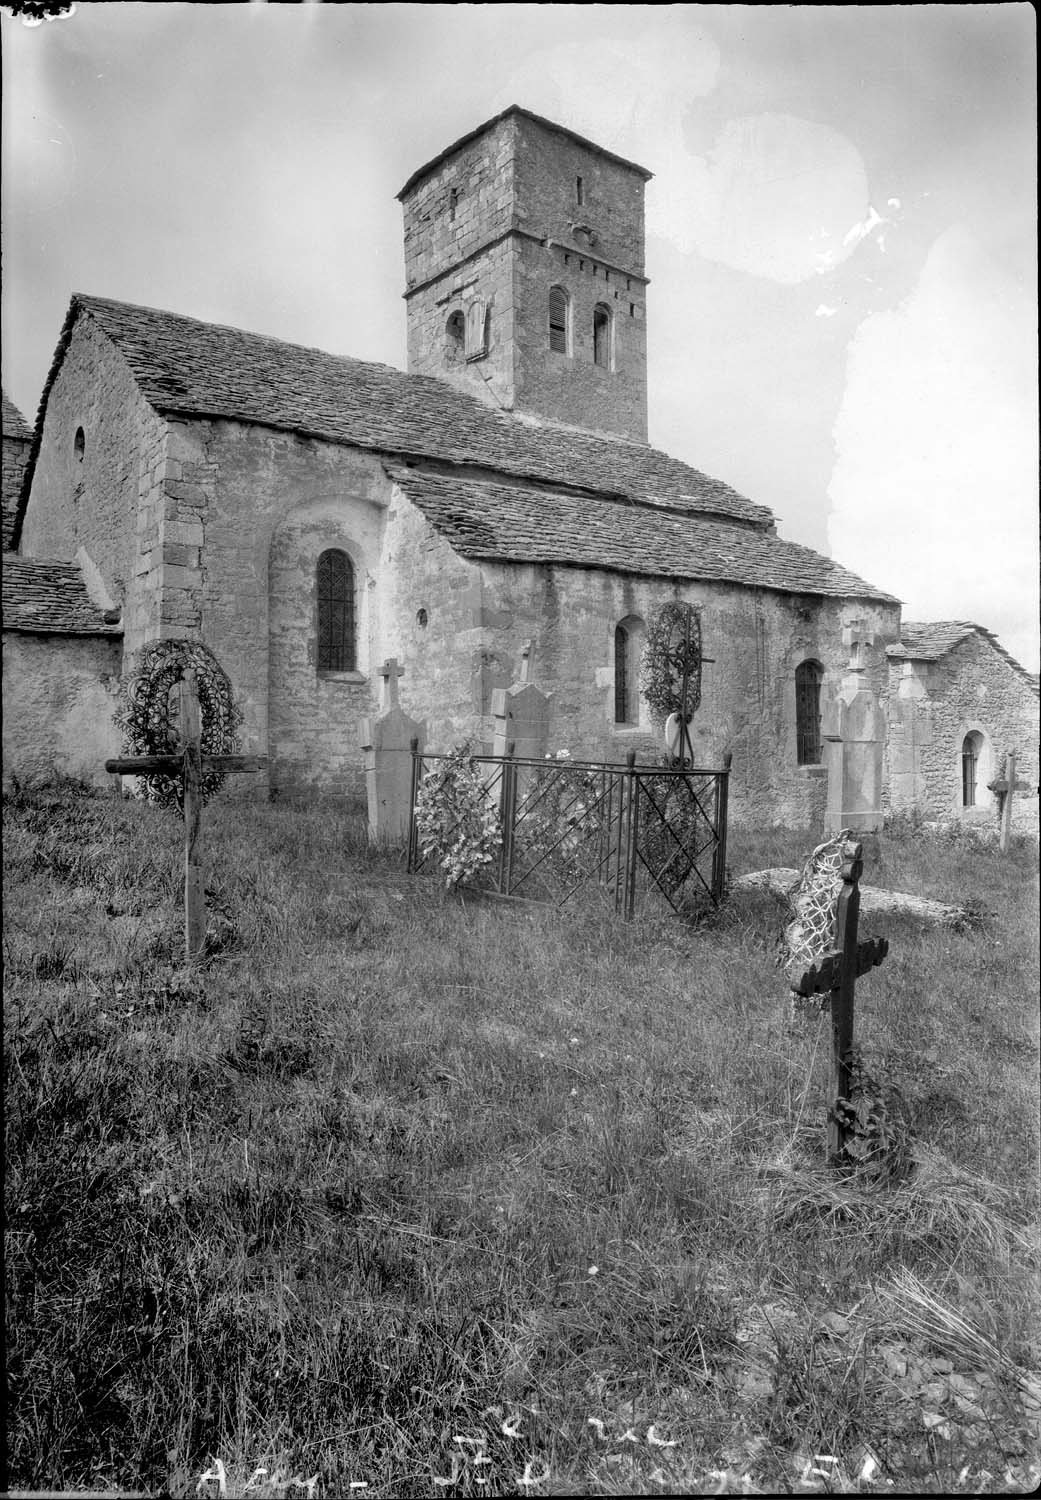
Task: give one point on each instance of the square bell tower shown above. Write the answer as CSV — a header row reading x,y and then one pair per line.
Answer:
x,y
524,274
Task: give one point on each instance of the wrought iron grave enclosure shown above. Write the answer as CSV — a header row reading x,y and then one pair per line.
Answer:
x,y
626,832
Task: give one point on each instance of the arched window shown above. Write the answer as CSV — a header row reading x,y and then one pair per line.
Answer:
x,y
455,338
79,444
559,333
972,746
602,336
628,643
336,651
808,678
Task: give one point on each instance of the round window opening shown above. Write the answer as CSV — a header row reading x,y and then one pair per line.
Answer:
x,y
79,444
421,619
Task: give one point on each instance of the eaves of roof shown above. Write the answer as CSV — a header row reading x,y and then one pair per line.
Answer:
x,y
496,522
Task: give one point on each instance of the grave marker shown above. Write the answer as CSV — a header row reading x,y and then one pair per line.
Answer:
x,y
1003,788
386,742
189,763
836,974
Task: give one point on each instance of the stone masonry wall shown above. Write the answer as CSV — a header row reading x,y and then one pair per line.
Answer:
x,y
15,458
571,387
111,499
59,698
489,278
512,231
479,617
934,705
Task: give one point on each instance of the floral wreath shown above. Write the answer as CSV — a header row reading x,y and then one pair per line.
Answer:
x,y
143,712
666,654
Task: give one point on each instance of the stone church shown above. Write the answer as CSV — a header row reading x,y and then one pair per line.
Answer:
x,y
311,516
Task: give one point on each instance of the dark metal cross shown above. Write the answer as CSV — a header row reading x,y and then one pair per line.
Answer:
x,y
836,975
189,763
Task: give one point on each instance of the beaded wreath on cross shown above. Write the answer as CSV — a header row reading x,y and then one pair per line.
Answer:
x,y
144,714
813,907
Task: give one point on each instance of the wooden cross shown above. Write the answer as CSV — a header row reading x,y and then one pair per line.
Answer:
x,y
1003,787
390,672
188,763
836,974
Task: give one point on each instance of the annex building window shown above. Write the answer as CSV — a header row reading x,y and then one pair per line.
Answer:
x,y
808,678
336,646
559,310
602,337
972,745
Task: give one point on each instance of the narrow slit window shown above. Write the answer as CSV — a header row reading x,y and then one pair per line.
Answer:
x,y
602,336
622,673
336,636
558,320
578,190
808,678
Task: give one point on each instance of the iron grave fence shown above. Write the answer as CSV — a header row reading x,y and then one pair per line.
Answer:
x,y
630,833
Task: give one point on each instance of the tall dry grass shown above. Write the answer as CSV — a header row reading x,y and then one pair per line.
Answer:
x,y
432,1194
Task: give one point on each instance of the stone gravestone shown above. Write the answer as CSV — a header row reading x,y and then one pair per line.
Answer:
x,y
522,714
387,744
853,733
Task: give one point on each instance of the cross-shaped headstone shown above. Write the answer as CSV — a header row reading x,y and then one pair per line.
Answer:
x,y
189,763
390,672
836,974
1003,787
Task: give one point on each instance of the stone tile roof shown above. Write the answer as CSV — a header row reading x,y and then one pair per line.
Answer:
x,y
204,369
50,598
503,522
515,109
931,639
14,424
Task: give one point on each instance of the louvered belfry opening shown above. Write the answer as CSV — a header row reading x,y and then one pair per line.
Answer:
x,y
558,320
335,612
808,676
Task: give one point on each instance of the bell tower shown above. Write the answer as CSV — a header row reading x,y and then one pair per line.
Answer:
x,y
524,274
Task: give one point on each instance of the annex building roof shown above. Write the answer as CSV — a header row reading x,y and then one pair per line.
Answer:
x,y
511,523
931,639
47,597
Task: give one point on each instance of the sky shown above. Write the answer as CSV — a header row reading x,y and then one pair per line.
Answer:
x,y
841,228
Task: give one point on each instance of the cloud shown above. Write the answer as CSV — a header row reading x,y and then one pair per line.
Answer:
x,y
934,485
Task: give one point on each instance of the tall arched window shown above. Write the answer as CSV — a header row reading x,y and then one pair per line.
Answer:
x,y
972,745
559,333
336,649
602,336
628,644
808,678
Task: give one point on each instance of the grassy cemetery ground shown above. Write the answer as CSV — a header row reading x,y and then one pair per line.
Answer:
x,y
443,1197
